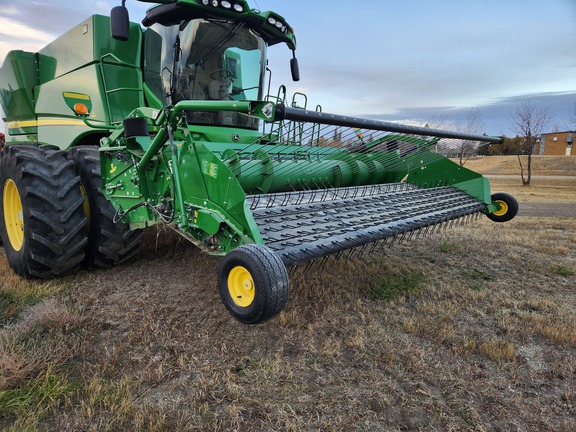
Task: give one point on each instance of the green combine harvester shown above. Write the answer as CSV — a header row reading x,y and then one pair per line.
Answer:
x,y
117,126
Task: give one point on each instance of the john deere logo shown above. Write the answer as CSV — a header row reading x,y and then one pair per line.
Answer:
x,y
113,168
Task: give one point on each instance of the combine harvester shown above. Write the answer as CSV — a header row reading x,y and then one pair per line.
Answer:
x,y
115,127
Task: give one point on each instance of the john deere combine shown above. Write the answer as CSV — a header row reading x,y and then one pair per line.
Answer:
x,y
116,126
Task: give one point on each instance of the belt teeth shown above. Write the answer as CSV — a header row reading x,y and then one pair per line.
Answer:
x,y
303,226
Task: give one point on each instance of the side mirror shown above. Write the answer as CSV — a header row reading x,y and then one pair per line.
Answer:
x,y
295,69
120,23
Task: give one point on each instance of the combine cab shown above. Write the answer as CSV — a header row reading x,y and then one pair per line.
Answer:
x,y
169,122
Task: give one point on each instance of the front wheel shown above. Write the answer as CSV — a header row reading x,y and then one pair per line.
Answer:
x,y
253,283
508,207
42,222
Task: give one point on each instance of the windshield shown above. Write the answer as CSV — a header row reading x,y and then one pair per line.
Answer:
x,y
218,61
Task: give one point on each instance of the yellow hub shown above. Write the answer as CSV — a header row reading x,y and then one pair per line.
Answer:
x,y
241,286
13,217
503,208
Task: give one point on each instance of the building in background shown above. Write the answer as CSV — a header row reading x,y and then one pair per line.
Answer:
x,y
557,143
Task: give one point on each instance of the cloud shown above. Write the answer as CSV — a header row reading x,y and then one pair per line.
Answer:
x,y
22,32
496,115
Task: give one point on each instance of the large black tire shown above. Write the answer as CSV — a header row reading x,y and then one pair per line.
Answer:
x,y
42,219
253,283
508,207
109,243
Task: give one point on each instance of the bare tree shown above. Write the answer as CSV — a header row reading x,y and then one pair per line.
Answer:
x,y
471,124
529,121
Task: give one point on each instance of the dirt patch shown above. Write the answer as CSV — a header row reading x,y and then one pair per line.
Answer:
x,y
556,210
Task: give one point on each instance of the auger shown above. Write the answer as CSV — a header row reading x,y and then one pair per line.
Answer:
x,y
117,126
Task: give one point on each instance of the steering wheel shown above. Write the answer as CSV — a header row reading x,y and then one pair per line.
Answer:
x,y
224,74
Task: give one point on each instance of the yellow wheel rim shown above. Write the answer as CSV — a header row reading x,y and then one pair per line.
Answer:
x,y
241,286
13,217
503,208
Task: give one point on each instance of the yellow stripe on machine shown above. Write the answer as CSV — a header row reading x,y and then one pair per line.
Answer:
x,y
44,122
76,96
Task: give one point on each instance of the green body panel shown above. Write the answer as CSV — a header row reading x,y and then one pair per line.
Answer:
x,y
18,79
84,60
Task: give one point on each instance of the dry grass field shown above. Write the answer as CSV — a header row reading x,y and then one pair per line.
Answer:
x,y
469,329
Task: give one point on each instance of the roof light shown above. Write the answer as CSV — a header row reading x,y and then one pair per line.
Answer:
x,y
279,24
205,2
238,7
215,3
271,21
226,4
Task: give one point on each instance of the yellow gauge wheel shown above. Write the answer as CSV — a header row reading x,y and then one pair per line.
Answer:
x,y
503,208
13,217
240,270
241,286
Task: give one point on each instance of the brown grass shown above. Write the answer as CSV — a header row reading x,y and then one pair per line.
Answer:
x,y
509,165
483,338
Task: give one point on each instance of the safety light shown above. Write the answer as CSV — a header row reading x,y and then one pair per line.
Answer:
x,y
81,109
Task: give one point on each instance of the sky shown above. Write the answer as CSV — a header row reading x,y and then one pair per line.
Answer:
x,y
413,61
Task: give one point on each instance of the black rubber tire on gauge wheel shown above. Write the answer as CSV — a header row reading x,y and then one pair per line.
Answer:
x,y
42,220
109,243
508,207
253,283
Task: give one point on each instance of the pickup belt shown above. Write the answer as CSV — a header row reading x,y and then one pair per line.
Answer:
x,y
306,225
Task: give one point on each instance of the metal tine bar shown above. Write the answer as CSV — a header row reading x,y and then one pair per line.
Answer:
x,y
271,200
362,249
286,199
365,150
351,252
327,152
308,266
373,246
384,243
255,202
324,260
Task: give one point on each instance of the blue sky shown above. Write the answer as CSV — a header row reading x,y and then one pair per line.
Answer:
x,y
414,61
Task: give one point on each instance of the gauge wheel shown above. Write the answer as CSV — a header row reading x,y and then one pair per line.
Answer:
x,y
109,243
508,207
253,283
41,211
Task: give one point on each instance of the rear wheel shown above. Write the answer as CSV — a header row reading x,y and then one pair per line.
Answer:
x,y
109,243
508,207
42,222
253,283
